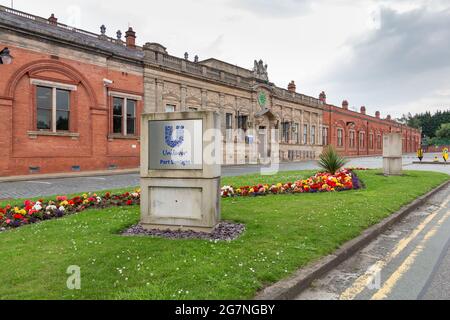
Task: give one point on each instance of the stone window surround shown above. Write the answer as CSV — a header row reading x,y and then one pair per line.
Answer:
x,y
362,138
53,132
352,139
341,138
126,96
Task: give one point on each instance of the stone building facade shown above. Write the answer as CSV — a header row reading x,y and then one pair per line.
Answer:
x,y
71,101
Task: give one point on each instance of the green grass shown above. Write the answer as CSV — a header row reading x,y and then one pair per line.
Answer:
x,y
283,234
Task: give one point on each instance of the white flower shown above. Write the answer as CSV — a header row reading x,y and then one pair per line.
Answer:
x,y
51,208
62,209
37,206
99,199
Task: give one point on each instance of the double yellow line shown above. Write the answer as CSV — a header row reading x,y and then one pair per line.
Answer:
x,y
360,284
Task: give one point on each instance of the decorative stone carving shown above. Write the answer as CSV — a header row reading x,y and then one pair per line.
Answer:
x,y
260,71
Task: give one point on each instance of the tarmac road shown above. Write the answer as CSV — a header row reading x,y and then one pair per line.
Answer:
x,y
411,261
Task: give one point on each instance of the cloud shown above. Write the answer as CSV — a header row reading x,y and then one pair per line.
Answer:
x,y
274,8
405,58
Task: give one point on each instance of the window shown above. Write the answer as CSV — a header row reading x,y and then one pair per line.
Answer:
x,y
170,108
229,121
352,139
53,109
340,137
124,116
229,126
362,142
313,135
371,141
191,109
305,134
131,117
286,128
242,122
379,141
296,133
325,136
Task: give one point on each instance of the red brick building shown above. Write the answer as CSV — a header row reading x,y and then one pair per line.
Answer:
x,y
71,101
359,134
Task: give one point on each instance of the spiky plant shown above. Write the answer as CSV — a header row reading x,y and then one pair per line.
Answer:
x,y
331,161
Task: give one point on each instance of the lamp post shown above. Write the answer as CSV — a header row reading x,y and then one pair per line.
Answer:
x,y
5,56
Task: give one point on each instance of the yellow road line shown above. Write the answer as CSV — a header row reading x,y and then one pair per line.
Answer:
x,y
360,284
406,265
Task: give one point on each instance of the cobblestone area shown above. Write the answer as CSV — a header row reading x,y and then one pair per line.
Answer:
x,y
28,189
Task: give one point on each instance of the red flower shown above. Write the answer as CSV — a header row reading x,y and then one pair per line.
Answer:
x,y
18,216
129,202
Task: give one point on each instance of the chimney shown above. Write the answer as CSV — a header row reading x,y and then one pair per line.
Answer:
x,y
378,115
345,105
53,20
292,87
363,110
130,35
323,97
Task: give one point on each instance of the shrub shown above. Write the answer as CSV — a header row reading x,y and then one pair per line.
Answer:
x,y
331,161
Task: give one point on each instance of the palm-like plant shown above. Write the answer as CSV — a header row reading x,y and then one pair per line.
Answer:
x,y
331,161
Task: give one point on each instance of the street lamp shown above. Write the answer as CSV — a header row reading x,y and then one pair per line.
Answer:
x,y
5,56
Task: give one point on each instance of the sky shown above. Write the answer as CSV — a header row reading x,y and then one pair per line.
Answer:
x,y
388,55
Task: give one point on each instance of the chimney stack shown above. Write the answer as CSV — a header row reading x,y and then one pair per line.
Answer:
x,y
363,110
130,35
345,105
323,97
378,115
292,87
53,20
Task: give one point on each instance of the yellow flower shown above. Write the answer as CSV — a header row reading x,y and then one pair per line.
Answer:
x,y
22,212
85,201
64,203
85,196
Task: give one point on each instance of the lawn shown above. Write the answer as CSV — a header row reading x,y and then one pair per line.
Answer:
x,y
284,233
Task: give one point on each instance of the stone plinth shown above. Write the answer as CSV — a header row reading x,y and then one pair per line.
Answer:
x,y
392,154
180,171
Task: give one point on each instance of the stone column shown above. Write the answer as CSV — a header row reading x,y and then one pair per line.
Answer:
x,y
159,95
183,97
204,99
149,94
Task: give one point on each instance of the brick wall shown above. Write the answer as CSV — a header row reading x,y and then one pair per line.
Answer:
x,y
355,123
88,144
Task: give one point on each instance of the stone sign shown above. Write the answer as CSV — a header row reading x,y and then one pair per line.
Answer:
x,y
392,154
179,143
180,171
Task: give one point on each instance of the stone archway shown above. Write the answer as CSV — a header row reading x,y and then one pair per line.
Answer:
x,y
265,122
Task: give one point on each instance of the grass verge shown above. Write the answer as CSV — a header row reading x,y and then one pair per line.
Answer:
x,y
284,233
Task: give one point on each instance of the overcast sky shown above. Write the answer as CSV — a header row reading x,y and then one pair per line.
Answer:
x,y
389,55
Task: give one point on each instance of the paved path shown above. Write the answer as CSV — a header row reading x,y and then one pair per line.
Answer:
x,y
27,189
409,262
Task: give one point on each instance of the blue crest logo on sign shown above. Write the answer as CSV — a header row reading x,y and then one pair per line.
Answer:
x,y
179,139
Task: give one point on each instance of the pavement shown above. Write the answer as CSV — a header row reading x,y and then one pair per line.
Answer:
x,y
411,261
69,185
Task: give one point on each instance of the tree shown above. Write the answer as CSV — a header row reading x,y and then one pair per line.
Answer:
x,y
444,131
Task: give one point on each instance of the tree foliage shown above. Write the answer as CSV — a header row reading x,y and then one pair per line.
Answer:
x,y
430,123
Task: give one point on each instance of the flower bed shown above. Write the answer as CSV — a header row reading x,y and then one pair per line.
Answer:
x,y
33,212
321,182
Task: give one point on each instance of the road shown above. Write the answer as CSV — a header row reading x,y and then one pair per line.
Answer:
x,y
47,187
411,261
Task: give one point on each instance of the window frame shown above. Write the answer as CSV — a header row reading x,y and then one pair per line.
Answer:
x,y
313,135
124,116
305,133
325,136
340,137
54,87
